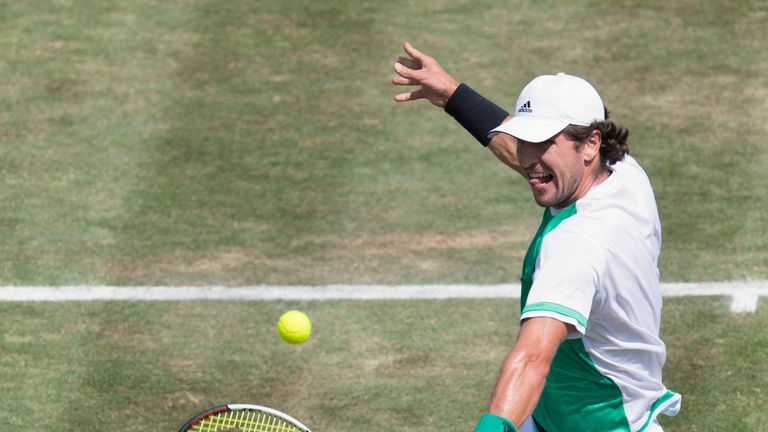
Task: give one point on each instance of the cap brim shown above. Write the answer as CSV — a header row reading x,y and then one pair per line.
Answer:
x,y
530,129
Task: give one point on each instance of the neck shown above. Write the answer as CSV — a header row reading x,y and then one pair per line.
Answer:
x,y
593,177
600,175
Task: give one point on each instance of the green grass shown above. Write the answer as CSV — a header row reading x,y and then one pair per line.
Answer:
x,y
257,142
91,366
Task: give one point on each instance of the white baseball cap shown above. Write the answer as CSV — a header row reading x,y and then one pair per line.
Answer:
x,y
548,104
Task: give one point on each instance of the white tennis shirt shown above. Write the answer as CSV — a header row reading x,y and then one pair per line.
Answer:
x,y
593,264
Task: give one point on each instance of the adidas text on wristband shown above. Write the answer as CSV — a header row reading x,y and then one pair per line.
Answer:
x,y
493,423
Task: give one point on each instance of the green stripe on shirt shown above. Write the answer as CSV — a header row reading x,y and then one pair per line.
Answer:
x,y
667,396
558,309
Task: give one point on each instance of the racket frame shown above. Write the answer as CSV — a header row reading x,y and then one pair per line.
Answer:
x,y
241,407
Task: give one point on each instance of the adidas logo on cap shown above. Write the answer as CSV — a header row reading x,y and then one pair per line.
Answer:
x,y
560,100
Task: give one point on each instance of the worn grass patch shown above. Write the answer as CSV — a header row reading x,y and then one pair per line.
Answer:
x,y
246,143
369,365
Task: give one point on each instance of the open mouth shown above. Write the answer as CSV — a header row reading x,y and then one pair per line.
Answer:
x,y
540,179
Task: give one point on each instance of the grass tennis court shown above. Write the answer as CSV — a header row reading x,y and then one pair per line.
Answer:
x,y
369,366
256,142
251,142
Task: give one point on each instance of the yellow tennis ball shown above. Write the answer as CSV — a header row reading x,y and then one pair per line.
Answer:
x,y
294,327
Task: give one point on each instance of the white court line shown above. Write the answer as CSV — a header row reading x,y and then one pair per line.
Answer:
x,y
744,294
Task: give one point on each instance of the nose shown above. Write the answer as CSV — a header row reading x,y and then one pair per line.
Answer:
x,y
527,154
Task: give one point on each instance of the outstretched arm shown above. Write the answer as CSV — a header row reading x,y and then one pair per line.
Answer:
x,y
524,370
475,113
435,84
505,148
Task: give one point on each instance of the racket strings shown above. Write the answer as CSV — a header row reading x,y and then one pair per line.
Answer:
x,y
243,421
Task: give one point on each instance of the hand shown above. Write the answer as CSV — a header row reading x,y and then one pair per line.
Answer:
x,y
436,85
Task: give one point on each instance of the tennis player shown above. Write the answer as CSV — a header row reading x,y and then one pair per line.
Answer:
x,y
588,355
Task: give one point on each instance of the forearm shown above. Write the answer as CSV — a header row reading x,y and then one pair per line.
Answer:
x,y
518,387
474,112
479,116
524,371
504,147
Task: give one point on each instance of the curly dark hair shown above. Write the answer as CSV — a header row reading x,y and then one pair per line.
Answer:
x,y
614,145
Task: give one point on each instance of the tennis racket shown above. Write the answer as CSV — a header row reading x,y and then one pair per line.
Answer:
x,y
243,418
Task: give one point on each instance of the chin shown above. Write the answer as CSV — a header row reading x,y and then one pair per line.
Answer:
x,y
542,202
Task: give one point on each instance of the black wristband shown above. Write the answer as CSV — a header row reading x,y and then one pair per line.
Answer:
x,y
475,113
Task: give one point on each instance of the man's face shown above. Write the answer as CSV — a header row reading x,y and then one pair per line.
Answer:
x,y
555,169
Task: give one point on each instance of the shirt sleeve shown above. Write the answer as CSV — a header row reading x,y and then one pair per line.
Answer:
x,y
565,280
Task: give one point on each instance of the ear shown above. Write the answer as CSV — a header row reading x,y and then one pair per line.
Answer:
x,y
591,148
